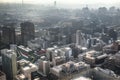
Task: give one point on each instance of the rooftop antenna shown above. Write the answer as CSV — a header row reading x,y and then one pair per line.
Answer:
x,y
22,2
55,3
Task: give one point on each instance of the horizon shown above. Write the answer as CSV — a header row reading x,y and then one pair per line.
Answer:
x,y
70,2
62,1
70,6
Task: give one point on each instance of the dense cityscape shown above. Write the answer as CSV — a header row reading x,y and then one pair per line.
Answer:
x,y
40,42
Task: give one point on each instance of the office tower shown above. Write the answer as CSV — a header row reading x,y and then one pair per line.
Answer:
x,y
2,76
50,53
78,37
9,63
64,39
44,67
102,10
18,36
8,35
0,36
27,32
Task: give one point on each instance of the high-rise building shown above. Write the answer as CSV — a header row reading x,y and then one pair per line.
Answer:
x,y
73,38
0,36
27,32
78,37
9,63
8,35
44,67
2,76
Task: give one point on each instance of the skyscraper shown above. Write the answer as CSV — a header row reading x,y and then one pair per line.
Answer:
x,y
44,66
8,35
27,32
78,37
0,36
9,63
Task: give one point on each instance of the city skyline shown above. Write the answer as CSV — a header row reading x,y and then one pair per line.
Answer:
x,y
59,40
70,2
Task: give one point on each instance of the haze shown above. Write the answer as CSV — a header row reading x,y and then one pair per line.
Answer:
x,y
63,1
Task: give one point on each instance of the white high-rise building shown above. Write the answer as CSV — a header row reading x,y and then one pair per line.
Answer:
x,y
44,67
9,62
80,39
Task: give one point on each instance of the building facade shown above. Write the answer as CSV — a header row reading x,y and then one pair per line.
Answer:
x,y
9,62
27,32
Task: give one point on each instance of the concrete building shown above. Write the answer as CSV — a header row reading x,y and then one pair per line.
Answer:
x,y
59,55
27,32
97,73
18,36
38,43
104,74
81,78
80,39
0,35
8,35
68,69
27,68
44,67
9,63
21,77
93,57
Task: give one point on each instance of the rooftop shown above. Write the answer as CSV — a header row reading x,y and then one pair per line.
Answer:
x,y
82,78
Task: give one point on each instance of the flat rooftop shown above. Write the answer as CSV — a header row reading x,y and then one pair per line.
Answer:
x,y
82,78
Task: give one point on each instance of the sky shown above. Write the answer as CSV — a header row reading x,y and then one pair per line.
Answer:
x,y
64,1
70,3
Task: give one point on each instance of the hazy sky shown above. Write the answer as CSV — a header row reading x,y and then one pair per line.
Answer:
x,y
65,1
